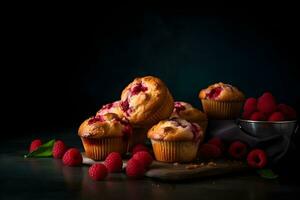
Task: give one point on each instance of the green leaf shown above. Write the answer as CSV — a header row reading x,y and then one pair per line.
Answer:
x,y
44,150
267,173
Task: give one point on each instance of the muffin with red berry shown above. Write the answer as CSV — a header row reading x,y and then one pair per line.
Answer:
x,y
146,101
113,107
222,101
103,134
175,140
188,112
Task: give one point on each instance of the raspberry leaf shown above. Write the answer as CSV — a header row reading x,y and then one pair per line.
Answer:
x,y
267,173
44,150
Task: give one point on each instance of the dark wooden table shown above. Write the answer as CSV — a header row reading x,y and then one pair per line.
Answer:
x,y
47,178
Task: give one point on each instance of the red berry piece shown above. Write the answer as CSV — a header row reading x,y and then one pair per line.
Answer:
x,y
35,144
257,158
59,149
266,103
134,169
288,112
214,93
217,142
98,171
258,116
144,157
113,162
208,151
250,105
139,147
276,116
237,150
72,157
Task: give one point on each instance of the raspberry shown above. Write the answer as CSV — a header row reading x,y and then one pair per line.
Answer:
x,y
257,158
134,169
59,149
72,157
276,116
98,171
144,158
288,112
113,162
258,116
35,144
266,103
208,151
250,105
217,142
237,150
139,147
247,115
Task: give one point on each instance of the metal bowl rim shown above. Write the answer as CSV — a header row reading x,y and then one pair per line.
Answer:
x,y
267,122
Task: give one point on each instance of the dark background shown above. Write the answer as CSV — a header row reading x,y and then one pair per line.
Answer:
x,y
67,62
61,64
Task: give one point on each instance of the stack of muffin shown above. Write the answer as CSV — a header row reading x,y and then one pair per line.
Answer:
x,y
147,108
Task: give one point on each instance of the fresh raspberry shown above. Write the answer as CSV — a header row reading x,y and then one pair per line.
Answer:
x,y
237,150
59,149
276,116
144,157
139,147
113,162
247,115
72,157
266,103
134,169
258,116
208,151
257,158
250,105
288,112
98,171
217,142
35,144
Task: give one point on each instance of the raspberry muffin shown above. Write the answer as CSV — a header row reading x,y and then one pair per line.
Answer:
x,y
103,134
175,140
113,107
146,101
139,134
188,112
222,101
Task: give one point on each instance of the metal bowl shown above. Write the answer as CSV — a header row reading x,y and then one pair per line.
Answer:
x,y
264,129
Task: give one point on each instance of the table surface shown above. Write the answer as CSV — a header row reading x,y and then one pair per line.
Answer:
x,y
47,178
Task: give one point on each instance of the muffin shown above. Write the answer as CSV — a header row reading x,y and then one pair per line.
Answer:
x,y
103,134
139,134
146,101
188,112
222,101
113,107
175,140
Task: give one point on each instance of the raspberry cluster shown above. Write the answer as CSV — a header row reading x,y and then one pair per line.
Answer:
x,y
237,150
265,108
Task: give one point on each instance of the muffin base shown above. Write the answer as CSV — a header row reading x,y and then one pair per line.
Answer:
x,y
175,151
139,136
222,109
98,149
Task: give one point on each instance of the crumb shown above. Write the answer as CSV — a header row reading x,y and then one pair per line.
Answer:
x,y
175,164
213,164
194,166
